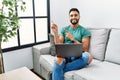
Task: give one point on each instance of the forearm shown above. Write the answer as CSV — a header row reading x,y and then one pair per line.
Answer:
x,y
76,41
86,43
56,38
85,48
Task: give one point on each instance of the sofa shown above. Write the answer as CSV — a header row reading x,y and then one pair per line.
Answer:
x,y
105,48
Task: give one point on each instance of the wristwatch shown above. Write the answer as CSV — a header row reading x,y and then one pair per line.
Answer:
x,y
73,40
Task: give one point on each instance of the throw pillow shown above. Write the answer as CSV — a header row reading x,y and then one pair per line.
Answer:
x,y
98,41
113,47
52,45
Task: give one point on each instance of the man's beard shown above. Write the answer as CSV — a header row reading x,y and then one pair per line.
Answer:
x,y
74,22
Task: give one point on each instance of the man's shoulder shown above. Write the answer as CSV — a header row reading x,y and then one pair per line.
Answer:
x,y
85,30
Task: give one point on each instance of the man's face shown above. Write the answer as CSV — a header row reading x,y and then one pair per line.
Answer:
x,y
74,17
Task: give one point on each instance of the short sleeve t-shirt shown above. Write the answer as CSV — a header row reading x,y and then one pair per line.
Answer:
x,y
79,33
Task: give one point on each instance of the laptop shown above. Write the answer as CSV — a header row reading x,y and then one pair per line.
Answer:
x,y
69,50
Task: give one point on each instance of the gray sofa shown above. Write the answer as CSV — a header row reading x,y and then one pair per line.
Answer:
x,y
105,47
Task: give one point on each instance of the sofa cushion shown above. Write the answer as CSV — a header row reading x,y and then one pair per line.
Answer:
x,y
98,41
101,71
47,62
52,45
70,75
113,47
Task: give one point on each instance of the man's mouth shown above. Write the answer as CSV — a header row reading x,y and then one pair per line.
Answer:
x,y
74,21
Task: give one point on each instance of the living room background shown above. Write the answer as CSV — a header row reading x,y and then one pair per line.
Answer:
x,y
94,13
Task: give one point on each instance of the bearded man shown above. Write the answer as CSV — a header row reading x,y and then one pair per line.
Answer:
x,y
73,33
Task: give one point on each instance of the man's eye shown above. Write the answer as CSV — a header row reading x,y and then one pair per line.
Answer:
x,y
71,15
75,14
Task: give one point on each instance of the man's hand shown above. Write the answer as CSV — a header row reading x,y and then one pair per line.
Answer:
x,y
54,28
69,35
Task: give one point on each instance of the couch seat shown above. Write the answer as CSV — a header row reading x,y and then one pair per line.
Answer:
x,y
46,62
101,71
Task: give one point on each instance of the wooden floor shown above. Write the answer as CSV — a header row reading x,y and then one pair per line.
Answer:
x,y
37,74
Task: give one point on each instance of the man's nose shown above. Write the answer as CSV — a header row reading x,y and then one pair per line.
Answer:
x,y
74,16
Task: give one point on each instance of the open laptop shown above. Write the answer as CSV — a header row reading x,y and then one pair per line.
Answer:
x,y
69,50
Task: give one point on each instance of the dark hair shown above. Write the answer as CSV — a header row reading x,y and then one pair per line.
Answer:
x,y
74,9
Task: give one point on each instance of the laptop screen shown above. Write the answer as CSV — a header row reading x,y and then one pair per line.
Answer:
x,y
69,50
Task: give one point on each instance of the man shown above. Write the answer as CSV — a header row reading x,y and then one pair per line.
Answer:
x,y
74,33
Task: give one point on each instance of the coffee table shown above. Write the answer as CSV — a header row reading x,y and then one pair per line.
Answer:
x,y
19,74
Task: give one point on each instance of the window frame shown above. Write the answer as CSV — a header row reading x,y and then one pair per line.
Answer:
x,y
19,46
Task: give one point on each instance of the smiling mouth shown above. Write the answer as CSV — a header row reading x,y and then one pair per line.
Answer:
x,y
74,21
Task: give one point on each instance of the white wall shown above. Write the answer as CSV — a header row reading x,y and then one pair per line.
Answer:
x,y
18,58
94,13
59,12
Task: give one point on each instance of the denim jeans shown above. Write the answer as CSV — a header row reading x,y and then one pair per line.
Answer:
x,y
70,63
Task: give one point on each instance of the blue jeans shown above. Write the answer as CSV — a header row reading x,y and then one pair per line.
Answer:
x,y
69,64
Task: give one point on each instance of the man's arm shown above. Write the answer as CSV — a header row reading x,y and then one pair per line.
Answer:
x,y
86,42
58,39
61,38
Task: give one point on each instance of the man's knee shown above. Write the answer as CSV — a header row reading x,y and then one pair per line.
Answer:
x,y
87,57
59,65
59,60
90,58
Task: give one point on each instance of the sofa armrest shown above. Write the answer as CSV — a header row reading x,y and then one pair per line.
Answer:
x,y
37,51
45,51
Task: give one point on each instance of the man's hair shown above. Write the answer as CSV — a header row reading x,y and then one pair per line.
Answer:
x,y
74,9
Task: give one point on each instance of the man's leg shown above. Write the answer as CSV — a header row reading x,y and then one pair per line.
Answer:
x,y
58,73
78,63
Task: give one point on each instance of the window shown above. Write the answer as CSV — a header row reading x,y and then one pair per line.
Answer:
x,y
34,26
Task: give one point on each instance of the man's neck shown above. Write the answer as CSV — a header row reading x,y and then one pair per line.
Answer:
x,y
74,26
